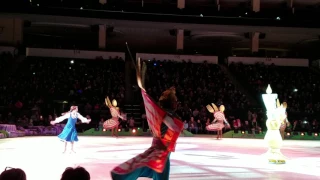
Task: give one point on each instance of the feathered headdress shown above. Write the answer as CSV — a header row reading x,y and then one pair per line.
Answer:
x,y
213,108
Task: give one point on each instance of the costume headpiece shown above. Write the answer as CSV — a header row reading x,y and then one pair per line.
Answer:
x,y
213,108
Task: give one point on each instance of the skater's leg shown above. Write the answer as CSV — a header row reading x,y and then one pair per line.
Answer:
x,y
65,146
282,133
72,143
116,129
218,133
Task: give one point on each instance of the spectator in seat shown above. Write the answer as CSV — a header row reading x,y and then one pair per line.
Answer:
x,y
315,126
195,113
131,123
193,126
78,173
235,124
199,125
13,174
246,126
185,125
101,124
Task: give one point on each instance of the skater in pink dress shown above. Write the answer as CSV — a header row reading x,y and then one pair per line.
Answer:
x,y
219,120
112,123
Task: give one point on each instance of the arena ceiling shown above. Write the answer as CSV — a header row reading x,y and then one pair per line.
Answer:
x,y
263,3
156,36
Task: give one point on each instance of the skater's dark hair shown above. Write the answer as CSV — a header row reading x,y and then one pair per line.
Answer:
x,y
13,174
168,99
78,173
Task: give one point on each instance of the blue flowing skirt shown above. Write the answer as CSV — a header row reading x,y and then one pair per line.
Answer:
x,y
68,135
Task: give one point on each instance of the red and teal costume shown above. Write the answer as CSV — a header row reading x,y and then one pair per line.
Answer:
x,y
154,162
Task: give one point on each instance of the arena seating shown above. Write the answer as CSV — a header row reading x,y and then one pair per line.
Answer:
x,y
197,85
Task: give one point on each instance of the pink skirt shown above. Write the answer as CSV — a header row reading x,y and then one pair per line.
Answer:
x,y
110,124
215,127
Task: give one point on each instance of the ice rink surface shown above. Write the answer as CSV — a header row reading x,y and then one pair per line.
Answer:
x,y
200,158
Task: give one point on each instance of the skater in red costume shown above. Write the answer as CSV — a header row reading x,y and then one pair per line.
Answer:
x,y
166,127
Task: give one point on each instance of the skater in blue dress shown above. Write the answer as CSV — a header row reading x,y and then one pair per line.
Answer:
x,y
69,133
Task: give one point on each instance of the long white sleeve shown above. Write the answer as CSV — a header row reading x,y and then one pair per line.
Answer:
x,y
170,123
121,117
82,119
61,118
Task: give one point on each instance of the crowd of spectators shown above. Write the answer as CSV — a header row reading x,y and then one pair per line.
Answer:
x,y
45,86
298,86
42,87
197,85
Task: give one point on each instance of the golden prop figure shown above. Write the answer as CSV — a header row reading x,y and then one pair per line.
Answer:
x,y
276,112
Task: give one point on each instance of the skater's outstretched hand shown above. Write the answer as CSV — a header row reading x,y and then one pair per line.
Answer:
x,y
52,122
89,120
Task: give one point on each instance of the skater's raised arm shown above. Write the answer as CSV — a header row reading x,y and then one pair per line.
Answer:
x,y
83,119
61,118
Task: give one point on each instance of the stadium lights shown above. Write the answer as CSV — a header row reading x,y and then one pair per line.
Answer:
x,y
119,130
133,130
315,134
302,134
288,134
242,132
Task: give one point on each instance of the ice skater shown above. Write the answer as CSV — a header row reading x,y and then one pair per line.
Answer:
x,y
166,127
219,119
113,123
285,123
69,133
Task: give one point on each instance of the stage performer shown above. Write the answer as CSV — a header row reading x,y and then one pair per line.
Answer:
x,y
166,127
285,123
112,123
219,119
69,133
275,114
